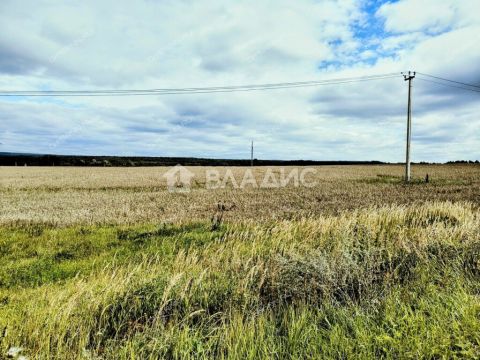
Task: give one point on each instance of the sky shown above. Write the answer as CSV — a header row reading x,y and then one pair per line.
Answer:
x,y
91,45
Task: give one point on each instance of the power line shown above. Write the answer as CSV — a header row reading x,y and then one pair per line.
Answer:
x,y
198,90
300,83
449,85
409,77
453,81
159,93
226,89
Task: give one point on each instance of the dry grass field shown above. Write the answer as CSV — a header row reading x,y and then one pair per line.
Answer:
x,y
106,263
66,196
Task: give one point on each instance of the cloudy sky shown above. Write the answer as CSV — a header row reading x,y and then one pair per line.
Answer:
x,y
76,45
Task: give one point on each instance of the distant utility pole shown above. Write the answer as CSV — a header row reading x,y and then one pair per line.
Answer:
x,y
251,155
409,78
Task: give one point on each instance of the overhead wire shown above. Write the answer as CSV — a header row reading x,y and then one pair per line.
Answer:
x,y
449,85
228,89
449,80
197,90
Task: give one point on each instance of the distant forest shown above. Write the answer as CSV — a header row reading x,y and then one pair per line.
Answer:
x,y
17,159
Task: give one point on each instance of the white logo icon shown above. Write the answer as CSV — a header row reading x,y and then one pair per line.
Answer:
x,y
179,179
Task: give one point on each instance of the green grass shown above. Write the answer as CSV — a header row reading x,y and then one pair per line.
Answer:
x,y
390,282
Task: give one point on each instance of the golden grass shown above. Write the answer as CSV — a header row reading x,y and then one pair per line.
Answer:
x,y
107,263
389,282
67,196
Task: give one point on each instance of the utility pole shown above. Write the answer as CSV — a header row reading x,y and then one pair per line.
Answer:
x,y
408,78
251,155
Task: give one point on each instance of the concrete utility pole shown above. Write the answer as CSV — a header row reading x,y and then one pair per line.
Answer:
x,y
408,78
251,155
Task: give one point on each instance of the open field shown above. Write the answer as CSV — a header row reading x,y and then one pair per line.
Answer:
x,y
106,263
66,196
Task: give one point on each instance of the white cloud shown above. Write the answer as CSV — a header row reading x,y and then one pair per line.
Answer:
x,y
152,44
428,15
